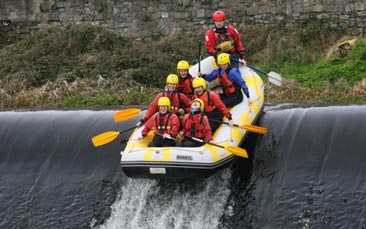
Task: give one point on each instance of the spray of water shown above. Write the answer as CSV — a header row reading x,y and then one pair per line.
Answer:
x,y
160,204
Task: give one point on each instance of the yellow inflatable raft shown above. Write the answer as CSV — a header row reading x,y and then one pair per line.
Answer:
x,y
140,161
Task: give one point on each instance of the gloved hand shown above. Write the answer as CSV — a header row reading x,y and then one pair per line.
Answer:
x,y
242,56
231,123
181,111
250,101
167,136
140,123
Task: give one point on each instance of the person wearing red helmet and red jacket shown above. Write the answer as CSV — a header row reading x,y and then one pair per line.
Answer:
x,y
223,38
196,125
165,123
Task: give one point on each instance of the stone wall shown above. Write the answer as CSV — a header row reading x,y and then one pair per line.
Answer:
x,y
140,18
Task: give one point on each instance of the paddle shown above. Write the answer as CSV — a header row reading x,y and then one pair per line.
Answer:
x,y
168,137
107,137
273,77
126,114
251,128
233,149
199,56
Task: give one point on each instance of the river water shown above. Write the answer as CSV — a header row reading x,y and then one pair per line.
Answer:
x,y
309,171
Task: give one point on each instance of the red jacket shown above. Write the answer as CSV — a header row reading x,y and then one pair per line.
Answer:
x,y
212,100
185,86
198,126
177,100
167,123
211,38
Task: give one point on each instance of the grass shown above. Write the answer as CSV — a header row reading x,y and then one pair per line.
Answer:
x,y
81,66
351,67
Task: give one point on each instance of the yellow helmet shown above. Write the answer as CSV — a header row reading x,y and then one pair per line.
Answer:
x,y
164,101
223,58
172,78
202,106
199,82
182,65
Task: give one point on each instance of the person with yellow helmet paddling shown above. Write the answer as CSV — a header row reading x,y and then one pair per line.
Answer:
x,y
165,123
196,125
223,38
214,108
179,102
230,80
185,79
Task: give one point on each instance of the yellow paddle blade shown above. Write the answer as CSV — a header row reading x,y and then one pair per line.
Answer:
x,y
255,129
126,114
104,138
237,151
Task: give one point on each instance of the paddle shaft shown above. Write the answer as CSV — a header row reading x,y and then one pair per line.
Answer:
x,y
233,149
273,77
250,128
249,66
200,140
199,56
195,139
171,138
217,121
127,129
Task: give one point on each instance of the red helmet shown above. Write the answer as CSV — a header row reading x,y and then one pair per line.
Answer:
x,y
219,16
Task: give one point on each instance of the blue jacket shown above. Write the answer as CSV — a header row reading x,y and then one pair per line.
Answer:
x,y
234,76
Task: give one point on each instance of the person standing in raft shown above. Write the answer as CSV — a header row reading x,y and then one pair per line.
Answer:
x,y
223,38
196,124
165,123
185,79
180,103
215,109
230,80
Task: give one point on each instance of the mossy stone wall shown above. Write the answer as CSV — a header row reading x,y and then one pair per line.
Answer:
x,y
145,18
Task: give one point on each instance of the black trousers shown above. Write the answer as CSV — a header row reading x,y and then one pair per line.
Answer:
x,y
187,142
213,116
159,141
232,99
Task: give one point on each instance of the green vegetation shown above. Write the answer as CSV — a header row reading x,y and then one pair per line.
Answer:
x,y
351,67
81,66
145,17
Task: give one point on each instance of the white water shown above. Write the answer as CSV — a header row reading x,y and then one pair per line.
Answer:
x,y
151,204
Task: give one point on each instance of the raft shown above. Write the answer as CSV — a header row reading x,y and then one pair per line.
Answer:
x,y
140,161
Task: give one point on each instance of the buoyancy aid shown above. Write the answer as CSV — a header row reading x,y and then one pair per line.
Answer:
x,y
228,87
162,122
206,98
185,86
167,123
193,125
224,42
212,101
174,100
